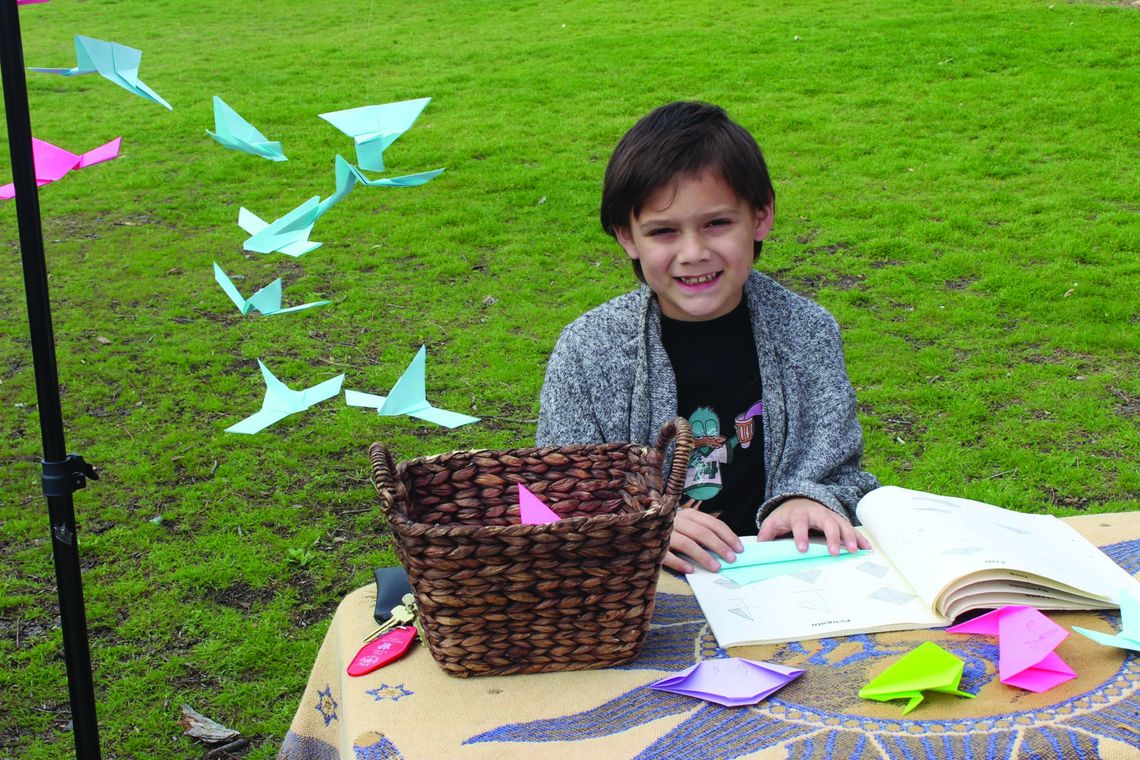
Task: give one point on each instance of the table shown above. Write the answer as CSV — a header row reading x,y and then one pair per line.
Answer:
x,y
412,709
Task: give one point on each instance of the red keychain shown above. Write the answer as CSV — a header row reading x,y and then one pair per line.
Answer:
x,y
383,650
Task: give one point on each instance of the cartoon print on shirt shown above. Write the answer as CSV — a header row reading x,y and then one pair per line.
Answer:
x,y
711,449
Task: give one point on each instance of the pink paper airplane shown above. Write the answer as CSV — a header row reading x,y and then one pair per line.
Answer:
x,y
1026,640
532,511
53,163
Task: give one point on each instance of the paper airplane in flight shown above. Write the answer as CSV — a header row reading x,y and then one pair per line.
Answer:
x,y
236,133
112,61
409,396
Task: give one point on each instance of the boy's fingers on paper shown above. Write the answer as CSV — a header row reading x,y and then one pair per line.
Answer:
x,y
696,534
831,533
710,532
676,564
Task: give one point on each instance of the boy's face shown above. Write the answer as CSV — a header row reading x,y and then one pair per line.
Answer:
x,y
694,241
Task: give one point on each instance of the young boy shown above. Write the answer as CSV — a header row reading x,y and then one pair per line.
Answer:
x,y
757,369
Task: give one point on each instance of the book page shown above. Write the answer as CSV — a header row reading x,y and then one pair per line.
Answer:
x,y
937,541
857,595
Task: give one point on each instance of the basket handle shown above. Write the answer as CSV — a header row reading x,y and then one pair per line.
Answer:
x,y
383,470
676,430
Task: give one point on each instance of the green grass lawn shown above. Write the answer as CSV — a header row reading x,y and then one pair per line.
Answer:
x,y
957,182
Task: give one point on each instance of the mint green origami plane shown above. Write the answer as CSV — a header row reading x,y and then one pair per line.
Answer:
x,y
281,401
290,233
1129,636
409,396
762,560
267,300
112,61
236,133
348,177
374,128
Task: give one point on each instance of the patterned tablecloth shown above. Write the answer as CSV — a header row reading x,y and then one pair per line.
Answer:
x,y
411,709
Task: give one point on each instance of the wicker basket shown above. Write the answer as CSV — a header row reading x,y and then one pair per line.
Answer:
x,y
498,597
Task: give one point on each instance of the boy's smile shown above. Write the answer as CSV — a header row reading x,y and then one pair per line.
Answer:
x,y
694,240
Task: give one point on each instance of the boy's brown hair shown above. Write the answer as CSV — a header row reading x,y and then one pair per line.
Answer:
x,y
676,140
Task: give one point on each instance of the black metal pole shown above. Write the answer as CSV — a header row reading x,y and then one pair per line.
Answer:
x,y
60,477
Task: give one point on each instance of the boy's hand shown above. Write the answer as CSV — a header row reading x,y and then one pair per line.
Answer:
x,y
695,534
799,515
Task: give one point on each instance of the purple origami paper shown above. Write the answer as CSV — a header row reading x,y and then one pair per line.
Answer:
x,y
732,682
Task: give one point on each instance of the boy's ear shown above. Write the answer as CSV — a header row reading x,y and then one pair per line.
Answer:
x,y
764,219
626,240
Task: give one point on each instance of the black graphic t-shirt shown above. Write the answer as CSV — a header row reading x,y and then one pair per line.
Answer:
x,y
719,392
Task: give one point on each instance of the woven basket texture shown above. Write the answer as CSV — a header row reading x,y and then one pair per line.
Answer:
x,y
496,597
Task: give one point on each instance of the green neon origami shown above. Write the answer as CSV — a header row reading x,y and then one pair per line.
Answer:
x,y
928,667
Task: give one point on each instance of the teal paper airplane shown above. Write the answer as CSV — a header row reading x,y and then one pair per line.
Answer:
x,y
112,61
409,396
348,177
267,300
290,233
236,133
1129,636
281,401
762,560
374,128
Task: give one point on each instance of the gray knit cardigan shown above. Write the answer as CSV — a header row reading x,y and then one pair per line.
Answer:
x,y
609,379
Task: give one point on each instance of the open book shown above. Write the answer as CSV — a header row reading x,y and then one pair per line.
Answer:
x,y
933,558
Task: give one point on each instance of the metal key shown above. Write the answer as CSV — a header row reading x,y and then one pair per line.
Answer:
x,y
401,615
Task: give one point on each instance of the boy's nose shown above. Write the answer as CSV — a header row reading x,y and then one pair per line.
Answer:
x,y
693,248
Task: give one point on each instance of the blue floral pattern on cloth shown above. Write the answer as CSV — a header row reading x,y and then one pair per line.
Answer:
x,y
815,724
374,746
326,705
394,693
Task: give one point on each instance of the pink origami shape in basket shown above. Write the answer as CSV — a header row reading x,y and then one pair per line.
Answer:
x,y
532,511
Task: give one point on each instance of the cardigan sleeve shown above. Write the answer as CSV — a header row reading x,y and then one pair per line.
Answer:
x,y
566,409
824,443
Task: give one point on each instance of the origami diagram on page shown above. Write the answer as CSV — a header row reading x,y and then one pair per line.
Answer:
x,y
281,401
53,163
532,511
267,300
1129,636
731,682
112,61
236,133
762,560
928,667
374,128
1026,640
409,396
290,233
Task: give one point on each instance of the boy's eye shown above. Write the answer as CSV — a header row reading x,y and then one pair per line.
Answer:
x,y
719,222
657,231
